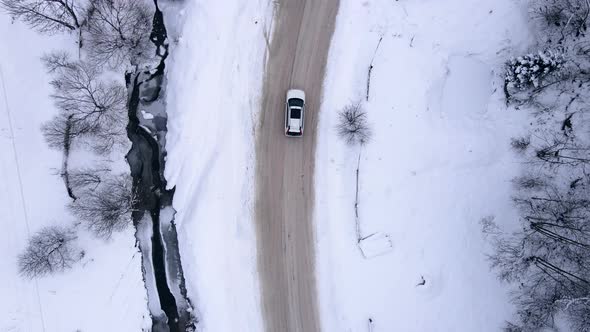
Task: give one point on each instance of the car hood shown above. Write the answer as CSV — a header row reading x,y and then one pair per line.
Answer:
x,y
294,93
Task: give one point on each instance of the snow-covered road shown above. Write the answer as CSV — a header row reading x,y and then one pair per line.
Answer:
x,y
285,166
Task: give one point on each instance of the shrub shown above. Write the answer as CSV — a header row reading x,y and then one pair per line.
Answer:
x,y
529,71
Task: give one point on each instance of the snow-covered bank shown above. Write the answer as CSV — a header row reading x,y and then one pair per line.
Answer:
x,y
214,86
438,162
104,292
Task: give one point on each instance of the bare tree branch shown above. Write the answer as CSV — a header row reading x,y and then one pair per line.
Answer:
x,y
119,31
565,19
48,16
87,178
91,109
107,208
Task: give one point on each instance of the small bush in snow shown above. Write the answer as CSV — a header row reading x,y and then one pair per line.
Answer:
x,y
489,226
529,71
49,250
529,182
352,124
520,144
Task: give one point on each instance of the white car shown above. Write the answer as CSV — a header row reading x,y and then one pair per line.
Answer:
x,y
294,113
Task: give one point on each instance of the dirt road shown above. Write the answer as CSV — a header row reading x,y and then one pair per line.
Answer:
x,y
285,166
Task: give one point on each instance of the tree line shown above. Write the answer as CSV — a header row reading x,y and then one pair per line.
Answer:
x,y
547,260
92,114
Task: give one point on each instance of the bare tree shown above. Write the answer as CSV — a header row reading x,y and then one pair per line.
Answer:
x,y
352,124
353,128
48,251
47,16
549,257
119,31
90,108
107,208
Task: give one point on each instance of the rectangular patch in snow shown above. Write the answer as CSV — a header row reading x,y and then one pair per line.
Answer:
x,y
375,244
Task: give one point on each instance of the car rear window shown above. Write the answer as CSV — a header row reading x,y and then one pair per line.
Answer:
x,y
295,113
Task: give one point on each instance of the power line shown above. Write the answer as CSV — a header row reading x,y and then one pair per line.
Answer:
x,y
20,182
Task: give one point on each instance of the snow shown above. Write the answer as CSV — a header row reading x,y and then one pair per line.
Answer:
x,y
147,115
145,233
104,292
438,162
215,79
173,268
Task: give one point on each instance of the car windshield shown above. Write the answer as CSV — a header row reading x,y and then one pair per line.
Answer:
x,y
295,113
296,102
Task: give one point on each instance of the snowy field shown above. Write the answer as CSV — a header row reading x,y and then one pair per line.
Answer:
x,y
105,291
438,162
215,81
